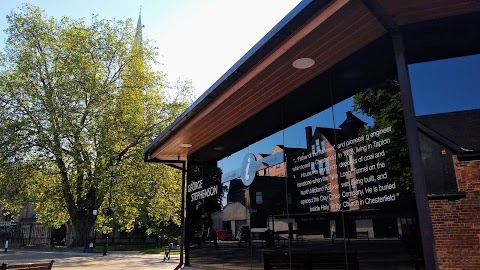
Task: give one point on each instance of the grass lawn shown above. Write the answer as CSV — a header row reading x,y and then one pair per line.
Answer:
x,y
160,251
141,248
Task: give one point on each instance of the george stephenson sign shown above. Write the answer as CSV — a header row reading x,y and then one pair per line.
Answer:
x,y
198,192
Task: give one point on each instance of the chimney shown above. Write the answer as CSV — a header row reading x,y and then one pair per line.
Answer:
x,y
351,126
309,134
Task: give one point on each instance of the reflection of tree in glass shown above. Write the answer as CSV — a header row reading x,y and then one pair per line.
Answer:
x,y
383,104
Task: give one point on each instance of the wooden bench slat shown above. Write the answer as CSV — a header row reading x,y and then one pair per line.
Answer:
x,y
29,266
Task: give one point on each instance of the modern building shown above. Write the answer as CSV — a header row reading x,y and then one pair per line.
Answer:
x,y
410,183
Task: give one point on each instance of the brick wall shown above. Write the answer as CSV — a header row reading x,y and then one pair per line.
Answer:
x,y
456,224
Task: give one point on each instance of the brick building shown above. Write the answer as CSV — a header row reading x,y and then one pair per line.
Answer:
x,y
451,158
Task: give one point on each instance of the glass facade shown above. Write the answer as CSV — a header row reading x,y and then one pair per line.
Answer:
x,y
336,189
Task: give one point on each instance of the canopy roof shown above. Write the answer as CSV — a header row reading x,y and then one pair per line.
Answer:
x,y
263,93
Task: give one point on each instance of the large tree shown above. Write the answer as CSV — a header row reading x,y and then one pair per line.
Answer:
x,y
75,98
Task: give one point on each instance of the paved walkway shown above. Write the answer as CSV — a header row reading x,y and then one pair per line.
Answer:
x,y
78,260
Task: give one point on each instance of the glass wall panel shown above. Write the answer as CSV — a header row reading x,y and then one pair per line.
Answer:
x,y
333,189
353,199
317,203
339,186
376,186
250,215
204,202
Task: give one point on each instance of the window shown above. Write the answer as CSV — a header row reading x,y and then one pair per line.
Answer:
x,y
258,197
313,168
351,162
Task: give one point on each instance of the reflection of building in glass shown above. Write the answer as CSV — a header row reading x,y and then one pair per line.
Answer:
x,y
446,151
279,169
261,195
317,190
262,200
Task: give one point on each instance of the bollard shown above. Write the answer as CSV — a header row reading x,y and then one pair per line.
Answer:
x,y
6,245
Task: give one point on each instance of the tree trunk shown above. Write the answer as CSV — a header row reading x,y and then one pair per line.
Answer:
x,y
81,219
71,234
78,232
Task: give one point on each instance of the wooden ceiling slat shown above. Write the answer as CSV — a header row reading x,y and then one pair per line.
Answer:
x,y
399,7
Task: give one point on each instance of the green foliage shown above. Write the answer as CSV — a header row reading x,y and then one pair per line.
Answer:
x,y
383,103
73,99
13,176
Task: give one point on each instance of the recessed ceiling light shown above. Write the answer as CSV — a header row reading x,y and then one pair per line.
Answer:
x,y
185,145
303,63
218,148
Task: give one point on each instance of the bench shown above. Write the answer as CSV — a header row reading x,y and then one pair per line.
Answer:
x,y
358,235
295,237
26,266
363,234
171,249
310,261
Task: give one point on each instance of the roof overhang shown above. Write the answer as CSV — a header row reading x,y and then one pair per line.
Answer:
x,y
261,94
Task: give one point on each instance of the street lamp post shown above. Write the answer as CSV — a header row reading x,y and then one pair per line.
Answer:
x,y
109,211
95,215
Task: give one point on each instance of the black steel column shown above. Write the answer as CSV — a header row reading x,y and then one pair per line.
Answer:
x,y
425,220
182,215
186,229
183,249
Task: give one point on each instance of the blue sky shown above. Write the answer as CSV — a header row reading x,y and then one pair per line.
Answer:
x,y
446,85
